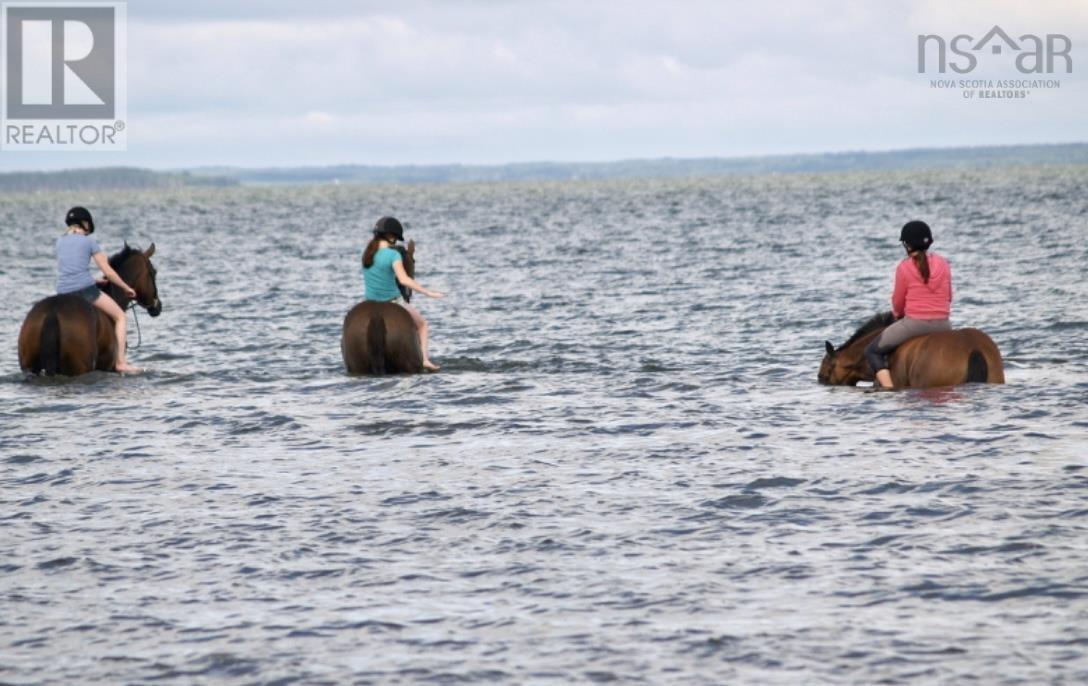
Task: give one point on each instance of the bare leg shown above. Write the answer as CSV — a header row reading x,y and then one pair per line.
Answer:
x,y
421,325
120,327
884,378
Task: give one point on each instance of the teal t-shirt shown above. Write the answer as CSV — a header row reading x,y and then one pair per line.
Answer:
x,y
378,279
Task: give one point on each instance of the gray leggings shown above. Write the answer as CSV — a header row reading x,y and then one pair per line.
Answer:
x,y
881,347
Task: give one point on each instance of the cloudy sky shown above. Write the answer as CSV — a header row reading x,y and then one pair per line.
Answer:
x,y
312,82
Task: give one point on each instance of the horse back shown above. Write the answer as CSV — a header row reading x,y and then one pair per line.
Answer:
x,y
947,358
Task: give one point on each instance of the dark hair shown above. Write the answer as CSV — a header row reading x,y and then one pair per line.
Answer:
x,y
922,263
372,248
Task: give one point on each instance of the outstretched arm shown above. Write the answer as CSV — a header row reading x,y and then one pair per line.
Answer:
x,y
111,276
408,282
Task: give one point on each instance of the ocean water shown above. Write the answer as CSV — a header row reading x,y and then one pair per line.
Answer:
x,y
625,471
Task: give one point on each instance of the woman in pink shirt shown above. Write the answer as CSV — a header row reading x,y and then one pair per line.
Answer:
x,y
921,301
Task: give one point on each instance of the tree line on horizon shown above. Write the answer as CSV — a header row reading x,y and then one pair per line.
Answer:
x,y
107,178
902,160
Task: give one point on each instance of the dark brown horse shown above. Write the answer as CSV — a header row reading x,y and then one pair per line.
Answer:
x,y
65,334
946,358
381,338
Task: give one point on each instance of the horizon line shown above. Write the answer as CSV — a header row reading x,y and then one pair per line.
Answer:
x,y
662,158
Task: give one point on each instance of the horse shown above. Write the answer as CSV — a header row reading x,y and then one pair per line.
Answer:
x,y
382,338
65,334
945,358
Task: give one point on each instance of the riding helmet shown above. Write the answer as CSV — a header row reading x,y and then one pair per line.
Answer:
x,y
917,235
389,225
78,215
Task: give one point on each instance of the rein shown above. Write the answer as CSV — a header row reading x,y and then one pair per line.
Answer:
x,y
131,306
139,335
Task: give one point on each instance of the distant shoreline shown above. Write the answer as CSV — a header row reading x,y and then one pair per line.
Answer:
x,y
122,178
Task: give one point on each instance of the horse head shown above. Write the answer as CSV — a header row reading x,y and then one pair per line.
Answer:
x,y
408,258
846,365
135,268
842,367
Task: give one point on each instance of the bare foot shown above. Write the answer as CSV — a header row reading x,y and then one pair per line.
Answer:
x,y
126,368
430,366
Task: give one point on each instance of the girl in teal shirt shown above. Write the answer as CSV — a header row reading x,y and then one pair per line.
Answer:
x,y
383,270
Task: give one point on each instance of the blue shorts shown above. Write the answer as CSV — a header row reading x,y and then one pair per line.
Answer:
x,y
90,293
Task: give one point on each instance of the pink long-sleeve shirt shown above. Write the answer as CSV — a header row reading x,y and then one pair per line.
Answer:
x,y
917,299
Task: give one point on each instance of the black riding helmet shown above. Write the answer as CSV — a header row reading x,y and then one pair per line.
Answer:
x,y
917,235
76,216
389,226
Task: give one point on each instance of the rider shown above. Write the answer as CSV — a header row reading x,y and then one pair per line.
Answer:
x,y
383,270
74,250
921,301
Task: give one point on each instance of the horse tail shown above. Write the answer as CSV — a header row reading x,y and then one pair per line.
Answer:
x,y
49,349
375,344
977,369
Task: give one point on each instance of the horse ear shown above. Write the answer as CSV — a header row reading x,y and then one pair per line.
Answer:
x,y
830,348
412,248
150,251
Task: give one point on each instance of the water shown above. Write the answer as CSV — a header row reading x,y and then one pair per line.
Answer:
x,y
626,470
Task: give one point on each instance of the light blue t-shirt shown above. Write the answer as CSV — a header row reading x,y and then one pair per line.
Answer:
x,y
73,258
378,279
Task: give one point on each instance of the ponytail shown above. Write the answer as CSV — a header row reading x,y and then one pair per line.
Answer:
x,y
922,263
371,249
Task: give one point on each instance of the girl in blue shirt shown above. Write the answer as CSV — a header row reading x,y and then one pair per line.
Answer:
x,y
383,270
74,250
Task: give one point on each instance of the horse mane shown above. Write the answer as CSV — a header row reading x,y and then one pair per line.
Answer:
x,y
880,320
409,267
120,258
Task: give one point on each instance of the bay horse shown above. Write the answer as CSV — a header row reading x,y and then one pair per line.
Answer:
x,y
65,334
945,358
381,337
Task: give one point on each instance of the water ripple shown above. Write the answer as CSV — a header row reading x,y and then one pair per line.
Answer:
x,y
624,473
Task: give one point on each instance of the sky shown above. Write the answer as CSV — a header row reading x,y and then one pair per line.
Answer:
x,y
259,83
